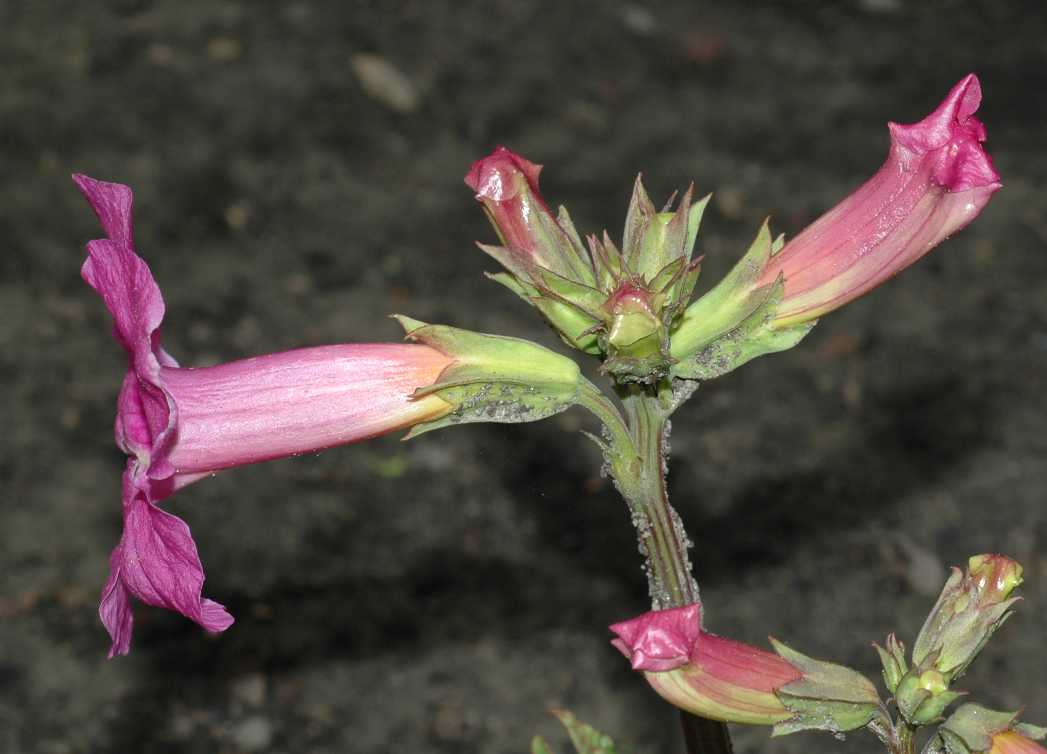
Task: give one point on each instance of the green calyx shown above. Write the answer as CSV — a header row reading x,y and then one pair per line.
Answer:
x,y
828,697
734,322
619,306
970,730
494,378
922,696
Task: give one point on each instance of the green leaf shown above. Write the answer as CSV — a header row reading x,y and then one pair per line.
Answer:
x,y
539,746
586,739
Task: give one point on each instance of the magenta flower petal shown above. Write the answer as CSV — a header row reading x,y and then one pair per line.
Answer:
x,y
156,562
178,425
936,180
146,413
661,639
703,673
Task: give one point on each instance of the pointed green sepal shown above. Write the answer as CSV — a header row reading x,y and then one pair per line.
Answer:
x,y
517,286
563,217
583,297
1035,732
574,327
828,697
638,218
494,378
971,727
752,337
893,661
732,323
694,220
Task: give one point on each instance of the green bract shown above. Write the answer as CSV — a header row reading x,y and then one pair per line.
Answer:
x,y
494,378
828,696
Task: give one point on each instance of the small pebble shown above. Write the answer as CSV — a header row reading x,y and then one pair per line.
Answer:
x,y
385,83
253,734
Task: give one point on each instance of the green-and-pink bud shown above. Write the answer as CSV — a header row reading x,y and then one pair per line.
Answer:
x,y
507,186
616,305
726,680
936,180
971,607
702,673
974,729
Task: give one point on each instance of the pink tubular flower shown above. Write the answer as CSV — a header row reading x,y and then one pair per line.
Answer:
x,y
702,673
178,425
936,180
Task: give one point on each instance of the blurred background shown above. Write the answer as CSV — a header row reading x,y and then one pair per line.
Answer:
x,y
297,170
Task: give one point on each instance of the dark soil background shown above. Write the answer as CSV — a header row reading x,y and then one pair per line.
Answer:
x,y
441,595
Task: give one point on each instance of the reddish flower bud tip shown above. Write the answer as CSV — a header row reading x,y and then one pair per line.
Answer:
x,y
964,165
705,674
492,177
659,640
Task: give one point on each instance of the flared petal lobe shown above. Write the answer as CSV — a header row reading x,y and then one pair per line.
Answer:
x,y
178,425
702,673
936,180
157,563
146,414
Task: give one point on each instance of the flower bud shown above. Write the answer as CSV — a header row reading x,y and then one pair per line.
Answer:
x,y
704,674
617,305
726,680
507,185
971,607
974,729
923,696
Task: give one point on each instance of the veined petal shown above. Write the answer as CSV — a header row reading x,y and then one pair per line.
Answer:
x,y
294,402
156,562
146,415
936,180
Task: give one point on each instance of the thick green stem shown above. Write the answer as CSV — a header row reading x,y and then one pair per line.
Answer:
x,y
637,453
670,581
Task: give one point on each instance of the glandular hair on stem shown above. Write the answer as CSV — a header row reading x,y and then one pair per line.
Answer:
x,y
665,448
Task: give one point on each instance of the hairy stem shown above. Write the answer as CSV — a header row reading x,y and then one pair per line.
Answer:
x,y
637,452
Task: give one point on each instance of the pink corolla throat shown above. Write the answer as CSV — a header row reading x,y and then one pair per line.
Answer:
x,y
703,673
936,180
177,424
